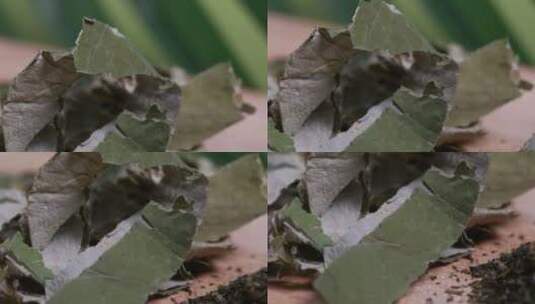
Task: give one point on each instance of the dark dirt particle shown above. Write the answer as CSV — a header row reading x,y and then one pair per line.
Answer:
x,y
452,291
508,279
247,289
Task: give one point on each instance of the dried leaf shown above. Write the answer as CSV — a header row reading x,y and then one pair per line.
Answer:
x,y
33,99
211,103
105,231
488,79
121,191
283,170
101,49
510,174
86,98
65,245
380,86
159,252
327,175
58,192
309,76
307,224
135,135
396,241
12,203
236,195
278,141
27,257
378,25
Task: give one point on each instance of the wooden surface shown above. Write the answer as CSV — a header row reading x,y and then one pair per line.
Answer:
x,y
507,129
248,135
16,163
250,241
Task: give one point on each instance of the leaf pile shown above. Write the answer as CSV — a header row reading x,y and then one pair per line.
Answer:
x,y
379,85
104,96
369,224
90,230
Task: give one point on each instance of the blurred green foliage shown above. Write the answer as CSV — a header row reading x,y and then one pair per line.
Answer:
x,y
193,34
471,23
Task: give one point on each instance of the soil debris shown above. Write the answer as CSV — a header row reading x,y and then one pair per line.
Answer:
x,y
247,289
508,279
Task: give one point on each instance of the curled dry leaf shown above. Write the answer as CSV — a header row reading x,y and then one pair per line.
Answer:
x,y
105,96
95,230
379,86
349,214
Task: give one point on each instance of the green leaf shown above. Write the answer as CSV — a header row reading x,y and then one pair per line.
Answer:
x,y
101,49
152,133
278,141
306,223
135,276
135,135
488,79
378,25
398,250
27,257
392,132
428,112
178,226
509,175
236,195
115,147
412,124
144,159
211,102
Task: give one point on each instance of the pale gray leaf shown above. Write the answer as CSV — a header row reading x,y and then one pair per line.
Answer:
x,y
58,192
